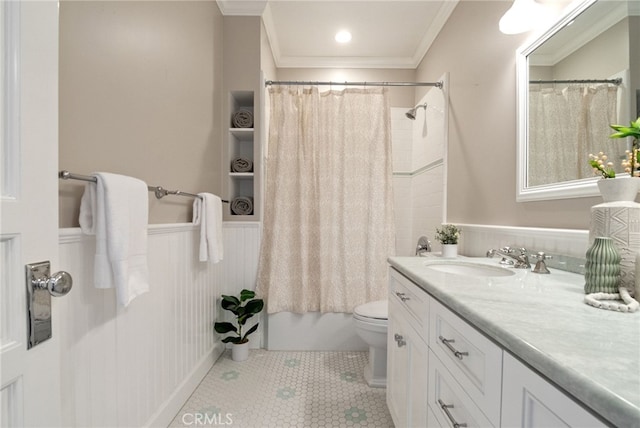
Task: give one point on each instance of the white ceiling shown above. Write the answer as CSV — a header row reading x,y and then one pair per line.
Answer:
x,y
386,33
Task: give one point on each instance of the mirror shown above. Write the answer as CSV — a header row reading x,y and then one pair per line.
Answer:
x,y
573,81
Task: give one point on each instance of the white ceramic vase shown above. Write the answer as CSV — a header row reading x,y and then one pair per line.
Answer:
x,y
619,189
240,352
449,251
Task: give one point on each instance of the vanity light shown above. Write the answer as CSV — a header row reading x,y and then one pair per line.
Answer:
x,y
523,16
343,36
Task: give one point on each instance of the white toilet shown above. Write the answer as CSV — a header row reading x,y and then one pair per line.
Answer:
x,y
371,325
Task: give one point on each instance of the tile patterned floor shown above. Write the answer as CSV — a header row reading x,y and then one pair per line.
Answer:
x,y
287,390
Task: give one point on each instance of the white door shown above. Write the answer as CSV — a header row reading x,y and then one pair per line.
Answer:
x,y
30,379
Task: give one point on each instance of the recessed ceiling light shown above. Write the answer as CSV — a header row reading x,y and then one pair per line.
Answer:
x,y
343,36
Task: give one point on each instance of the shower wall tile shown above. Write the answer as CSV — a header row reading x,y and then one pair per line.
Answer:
x,y
403,204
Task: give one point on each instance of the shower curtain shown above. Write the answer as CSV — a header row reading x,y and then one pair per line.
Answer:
x,y
565,126
328,215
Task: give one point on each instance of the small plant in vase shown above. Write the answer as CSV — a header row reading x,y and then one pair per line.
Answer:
x,y
243,307
448,236
619,190
632,163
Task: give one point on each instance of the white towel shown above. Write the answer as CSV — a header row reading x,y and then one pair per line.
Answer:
x,y
116,211
207,213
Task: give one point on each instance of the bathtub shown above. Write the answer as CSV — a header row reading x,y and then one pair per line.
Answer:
x,y
313,331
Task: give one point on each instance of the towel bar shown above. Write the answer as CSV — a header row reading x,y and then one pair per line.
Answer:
x,y
159,191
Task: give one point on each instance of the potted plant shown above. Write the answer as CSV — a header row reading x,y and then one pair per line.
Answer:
x,y
632,163
243,307
448,236
625,189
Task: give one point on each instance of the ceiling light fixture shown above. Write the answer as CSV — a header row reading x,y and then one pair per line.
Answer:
x,y
343,36
523,16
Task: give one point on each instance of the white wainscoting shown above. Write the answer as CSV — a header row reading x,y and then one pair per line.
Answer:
x,y
136,366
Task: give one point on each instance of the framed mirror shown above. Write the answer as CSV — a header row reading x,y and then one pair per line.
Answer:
x,y
573,81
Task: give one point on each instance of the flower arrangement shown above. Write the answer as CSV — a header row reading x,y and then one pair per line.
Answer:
x,y
599,166
449,234
631,163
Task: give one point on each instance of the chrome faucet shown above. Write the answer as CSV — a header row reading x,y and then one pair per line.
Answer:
x,y
520,259
424,246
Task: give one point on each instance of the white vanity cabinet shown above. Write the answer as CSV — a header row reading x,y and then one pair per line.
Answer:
x,y
464,366
407,353
442,372
530,401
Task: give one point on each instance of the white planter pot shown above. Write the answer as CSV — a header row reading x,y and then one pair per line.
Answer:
x,y
449,251
240,352
619,189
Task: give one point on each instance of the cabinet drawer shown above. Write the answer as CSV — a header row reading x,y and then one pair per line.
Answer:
x,y
448,402
473,360
413,300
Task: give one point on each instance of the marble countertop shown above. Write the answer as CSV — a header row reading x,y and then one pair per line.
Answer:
x,y
592,354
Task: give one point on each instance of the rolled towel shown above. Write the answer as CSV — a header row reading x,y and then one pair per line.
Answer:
x,y
242,205
242,119
241,165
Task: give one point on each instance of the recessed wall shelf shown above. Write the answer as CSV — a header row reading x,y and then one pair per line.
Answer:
x,y
241,144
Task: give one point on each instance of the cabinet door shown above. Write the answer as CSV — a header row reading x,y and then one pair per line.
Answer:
x,y
530,401
418,374
397,369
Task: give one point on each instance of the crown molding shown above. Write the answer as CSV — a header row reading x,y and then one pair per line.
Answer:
x,y
413,62
242,7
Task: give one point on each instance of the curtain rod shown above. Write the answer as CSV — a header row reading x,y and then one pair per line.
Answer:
x,y
159,191
617,81
302,82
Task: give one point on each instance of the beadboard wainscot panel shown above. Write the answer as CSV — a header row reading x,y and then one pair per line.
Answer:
x,y
136,366
241,251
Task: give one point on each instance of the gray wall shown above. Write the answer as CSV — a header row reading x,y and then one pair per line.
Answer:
x,y
482,123
140,95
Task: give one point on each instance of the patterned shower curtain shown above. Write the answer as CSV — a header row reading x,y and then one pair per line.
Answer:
x,y
565,126
328,215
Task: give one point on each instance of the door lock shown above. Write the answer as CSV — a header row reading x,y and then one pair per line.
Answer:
x,y
40,287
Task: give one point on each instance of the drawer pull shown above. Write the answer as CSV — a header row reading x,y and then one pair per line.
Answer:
x,y
448,342
446,408
402,296
399,340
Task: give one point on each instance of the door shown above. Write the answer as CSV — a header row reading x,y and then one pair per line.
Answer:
x,y
30,379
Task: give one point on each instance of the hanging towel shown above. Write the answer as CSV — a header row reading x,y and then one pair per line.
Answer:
x,y
207,213
116,211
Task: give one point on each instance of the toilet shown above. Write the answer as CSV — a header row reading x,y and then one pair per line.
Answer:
x,y
371,325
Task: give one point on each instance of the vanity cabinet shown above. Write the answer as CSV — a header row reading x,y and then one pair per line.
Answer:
x,y
530,401
407,353
443,372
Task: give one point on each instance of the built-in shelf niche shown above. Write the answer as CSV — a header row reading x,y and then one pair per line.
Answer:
x,y
241,143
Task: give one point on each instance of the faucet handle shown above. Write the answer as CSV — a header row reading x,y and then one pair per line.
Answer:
x,y
540,266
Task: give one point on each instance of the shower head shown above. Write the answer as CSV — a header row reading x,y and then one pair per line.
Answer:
x,y
411,114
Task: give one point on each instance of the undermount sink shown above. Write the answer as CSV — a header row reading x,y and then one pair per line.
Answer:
x,y
458,267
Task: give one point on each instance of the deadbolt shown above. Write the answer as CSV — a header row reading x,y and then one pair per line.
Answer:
x,y
40,287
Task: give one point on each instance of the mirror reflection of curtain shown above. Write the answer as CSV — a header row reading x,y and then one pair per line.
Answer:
x,y
565,126
328,213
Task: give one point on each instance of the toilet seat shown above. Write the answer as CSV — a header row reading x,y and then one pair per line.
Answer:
x,y
372,311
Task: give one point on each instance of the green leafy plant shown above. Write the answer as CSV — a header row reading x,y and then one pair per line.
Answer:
x,y
449,234
243,307
632,163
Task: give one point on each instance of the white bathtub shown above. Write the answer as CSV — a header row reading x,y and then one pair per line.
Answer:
x,y
313,331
